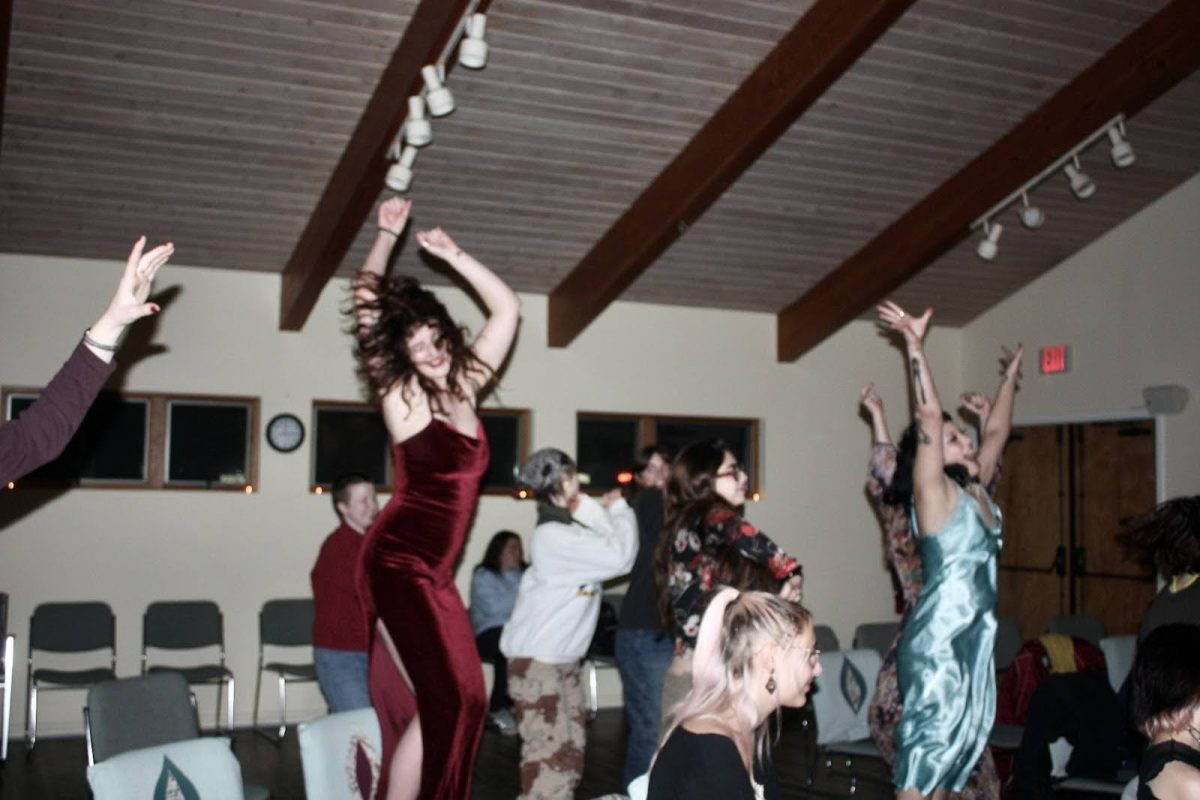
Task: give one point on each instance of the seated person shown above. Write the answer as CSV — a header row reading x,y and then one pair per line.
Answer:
x,y
493,595
1166,709
755,652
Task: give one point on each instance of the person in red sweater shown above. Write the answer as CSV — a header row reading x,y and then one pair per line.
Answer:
x,y
43,430
340,630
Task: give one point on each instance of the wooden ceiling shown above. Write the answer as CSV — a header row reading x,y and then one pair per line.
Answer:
x,y
218,123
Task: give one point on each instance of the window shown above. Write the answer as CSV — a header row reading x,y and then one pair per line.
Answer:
x,y
607,444
154,440
351,437
209,443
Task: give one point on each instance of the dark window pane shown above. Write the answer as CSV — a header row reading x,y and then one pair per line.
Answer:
x,y
110,444
350,440
605,446
208,443
675,434
504,441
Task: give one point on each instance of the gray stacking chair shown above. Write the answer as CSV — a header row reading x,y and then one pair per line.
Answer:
x,y
1085,626
130,714
875,636
284,623
190,625
827,641
68,628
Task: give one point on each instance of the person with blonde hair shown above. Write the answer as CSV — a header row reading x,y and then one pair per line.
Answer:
x,y
755,653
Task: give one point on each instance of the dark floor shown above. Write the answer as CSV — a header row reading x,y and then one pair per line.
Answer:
x,y
56,771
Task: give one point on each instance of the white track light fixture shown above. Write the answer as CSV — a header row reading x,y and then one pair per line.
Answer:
x,y
1081,185
473,50
989,247
1032,217
400,175
437,96
417,130
1121,152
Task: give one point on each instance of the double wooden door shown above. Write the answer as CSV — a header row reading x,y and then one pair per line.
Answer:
x,y
1064,491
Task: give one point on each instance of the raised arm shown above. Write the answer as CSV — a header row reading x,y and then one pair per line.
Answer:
x,y
392,217
873,403
997,425
933,493
503,306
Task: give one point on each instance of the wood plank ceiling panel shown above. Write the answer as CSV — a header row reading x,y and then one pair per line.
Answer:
x,y
945,82
212,123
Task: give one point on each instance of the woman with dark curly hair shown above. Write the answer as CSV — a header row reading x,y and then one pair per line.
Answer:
x,y
1168,540
427,379
706,543
1166,710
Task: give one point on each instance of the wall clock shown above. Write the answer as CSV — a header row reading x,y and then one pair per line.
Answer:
x,y
285,432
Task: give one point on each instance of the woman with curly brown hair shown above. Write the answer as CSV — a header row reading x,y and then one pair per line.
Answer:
x,y
427,379
1167,539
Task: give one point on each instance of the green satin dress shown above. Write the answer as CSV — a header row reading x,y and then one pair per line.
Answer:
x,y
946,665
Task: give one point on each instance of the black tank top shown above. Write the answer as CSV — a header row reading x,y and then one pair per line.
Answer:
x,y
1158,756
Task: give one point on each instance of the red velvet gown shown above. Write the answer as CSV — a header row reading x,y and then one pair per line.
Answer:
x,y
406,579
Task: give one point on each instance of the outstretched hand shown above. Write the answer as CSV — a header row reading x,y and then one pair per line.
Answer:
x,y
1010,362
895,317
439,243
393,214
977,403
871,400
129,301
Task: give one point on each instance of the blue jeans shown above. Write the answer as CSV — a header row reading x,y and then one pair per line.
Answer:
x,y
342,675
643,656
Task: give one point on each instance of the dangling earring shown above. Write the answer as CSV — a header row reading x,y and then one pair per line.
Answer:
x,y
771,682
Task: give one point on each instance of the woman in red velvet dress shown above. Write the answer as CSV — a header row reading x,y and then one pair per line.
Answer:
x,y
427,379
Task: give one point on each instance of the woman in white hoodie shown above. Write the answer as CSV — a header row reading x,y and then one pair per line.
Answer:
x,y
578,543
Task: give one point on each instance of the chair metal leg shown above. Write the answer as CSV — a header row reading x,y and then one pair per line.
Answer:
x,y
7,709
228,704
257,687
593,700
31,718
282,705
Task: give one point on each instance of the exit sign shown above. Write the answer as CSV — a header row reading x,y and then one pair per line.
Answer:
x,y
1056,358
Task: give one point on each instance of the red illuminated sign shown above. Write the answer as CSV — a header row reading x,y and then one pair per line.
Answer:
x,y
1056,358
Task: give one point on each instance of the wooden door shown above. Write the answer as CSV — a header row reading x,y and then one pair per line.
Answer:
x,y
1064,492
1114,480
1033,497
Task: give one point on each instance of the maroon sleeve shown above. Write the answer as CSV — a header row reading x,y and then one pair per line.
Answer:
x,y
43,429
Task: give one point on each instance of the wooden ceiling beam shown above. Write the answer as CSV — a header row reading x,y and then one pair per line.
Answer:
x,y
830,37
1144,65
357,180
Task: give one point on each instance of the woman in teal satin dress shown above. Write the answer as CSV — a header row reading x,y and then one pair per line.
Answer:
x,y
946,668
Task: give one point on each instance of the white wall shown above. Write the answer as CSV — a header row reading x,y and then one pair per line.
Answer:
x,y
132,547
1128,306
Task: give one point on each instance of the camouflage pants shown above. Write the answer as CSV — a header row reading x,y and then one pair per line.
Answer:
x,y
548,701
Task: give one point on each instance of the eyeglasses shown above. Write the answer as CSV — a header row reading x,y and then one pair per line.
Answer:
x,y
813,656
732,472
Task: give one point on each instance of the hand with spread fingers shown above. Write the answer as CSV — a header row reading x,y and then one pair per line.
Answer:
x,y
896,318
129,302
1010,362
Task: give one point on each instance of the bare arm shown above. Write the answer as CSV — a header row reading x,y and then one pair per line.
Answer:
x,y
933,493
492,344
392,217
995,418
871,401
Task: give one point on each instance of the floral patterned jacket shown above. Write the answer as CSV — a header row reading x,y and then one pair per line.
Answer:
x,y
695,559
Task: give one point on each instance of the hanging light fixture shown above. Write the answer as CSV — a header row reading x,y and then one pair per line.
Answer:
x,y
989,247
400,175
1081,185
437,96
1121,151
473,50
417,130
1032,217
